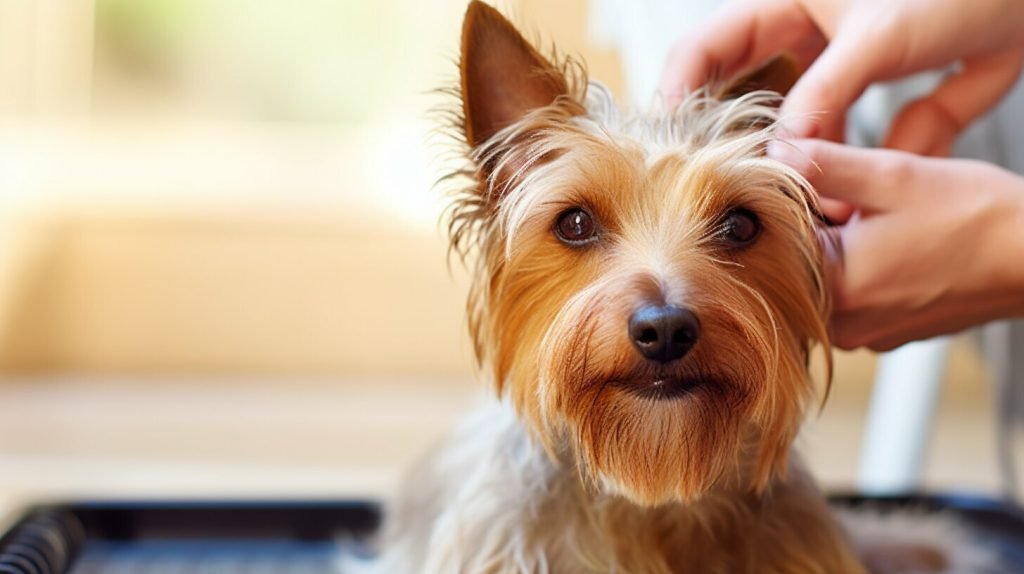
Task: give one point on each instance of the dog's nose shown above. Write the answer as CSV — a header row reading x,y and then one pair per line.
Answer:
x,y
663,333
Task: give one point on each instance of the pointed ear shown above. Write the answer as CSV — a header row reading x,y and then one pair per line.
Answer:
x,y
503,76
778,75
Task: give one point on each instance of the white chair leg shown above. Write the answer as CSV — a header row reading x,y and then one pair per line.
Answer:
x,y
899,421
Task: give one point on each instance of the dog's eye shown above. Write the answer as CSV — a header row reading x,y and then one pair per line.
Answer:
x,y
575,227
740,228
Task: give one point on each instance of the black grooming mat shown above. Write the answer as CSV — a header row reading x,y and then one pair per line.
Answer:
x,y
187,538
996,524
307,538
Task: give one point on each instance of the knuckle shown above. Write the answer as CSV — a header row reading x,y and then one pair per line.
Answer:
x,y
933,113
915,112
894,169
882,35
814,152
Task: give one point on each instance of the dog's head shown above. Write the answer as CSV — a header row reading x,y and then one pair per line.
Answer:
x,y
647,288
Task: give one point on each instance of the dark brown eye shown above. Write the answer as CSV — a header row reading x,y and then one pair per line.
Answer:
x,y
740,228
575,227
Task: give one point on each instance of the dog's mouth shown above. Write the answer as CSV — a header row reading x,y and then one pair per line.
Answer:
x,y
664,387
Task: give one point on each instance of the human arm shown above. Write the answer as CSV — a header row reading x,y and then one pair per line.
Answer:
x,y
935,246
850,44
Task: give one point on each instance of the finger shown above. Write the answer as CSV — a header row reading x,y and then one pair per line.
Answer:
x,y
833,253
930,125
889,343
837,212
887,329
864,328
741,36
883,332
843,335
856,176
817,104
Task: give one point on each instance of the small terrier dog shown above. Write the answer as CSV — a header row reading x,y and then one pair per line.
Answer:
x,y
647,290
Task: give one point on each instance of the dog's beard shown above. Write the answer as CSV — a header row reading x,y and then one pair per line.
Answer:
x,y
656,433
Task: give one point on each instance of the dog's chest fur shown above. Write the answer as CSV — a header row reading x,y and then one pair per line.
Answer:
x,y
493,501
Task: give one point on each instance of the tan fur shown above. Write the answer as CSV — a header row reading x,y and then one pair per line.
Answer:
x,y
491,501
588,476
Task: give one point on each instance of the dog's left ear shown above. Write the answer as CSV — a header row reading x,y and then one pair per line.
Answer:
x,y
778,75
503,76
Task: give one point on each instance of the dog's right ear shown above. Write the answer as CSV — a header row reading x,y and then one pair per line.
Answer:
x,y
503,76
778,75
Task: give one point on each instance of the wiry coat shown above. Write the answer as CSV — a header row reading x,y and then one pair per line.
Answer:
x,y
500,498
587,465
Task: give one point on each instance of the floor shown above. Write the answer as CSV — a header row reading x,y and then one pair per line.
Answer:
x,y
75,437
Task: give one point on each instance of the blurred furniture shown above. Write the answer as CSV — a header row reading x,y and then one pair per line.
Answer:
x,y
900,419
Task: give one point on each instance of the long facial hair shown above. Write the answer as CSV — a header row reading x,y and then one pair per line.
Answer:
x,y
548,320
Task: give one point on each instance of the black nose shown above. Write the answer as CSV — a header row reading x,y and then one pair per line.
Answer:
x,y
663,333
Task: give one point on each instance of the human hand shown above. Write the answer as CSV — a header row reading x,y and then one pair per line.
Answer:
x,y
854,43
935,246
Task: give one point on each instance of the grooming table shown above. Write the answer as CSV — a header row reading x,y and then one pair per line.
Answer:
x,y
302,537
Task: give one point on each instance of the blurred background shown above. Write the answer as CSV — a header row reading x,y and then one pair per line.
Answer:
x,y
221,273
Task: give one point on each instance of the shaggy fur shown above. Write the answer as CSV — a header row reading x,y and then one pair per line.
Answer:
x,y
586,465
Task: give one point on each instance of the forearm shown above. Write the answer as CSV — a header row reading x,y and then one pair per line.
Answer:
x,y
1016,255
1005,250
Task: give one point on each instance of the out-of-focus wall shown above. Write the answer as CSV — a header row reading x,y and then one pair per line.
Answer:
x,y
215,187
567,24
46,50
243,189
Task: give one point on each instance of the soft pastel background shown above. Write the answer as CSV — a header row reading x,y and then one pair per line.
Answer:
x,y
221,273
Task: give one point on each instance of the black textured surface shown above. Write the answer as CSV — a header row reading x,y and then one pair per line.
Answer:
x,y
187,537
994,523
306,537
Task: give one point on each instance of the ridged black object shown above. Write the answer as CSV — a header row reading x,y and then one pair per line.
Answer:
x,y
44,542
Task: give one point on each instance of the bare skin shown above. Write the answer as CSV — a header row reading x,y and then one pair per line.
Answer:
x,y
934,246
929,246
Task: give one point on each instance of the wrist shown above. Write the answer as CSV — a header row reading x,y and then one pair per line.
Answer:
x,y
1016,234
1008,248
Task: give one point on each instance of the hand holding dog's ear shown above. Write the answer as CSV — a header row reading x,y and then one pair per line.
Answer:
x,y
935,246
851,44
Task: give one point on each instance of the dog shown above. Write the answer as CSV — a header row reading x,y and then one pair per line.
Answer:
x,y
648,290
